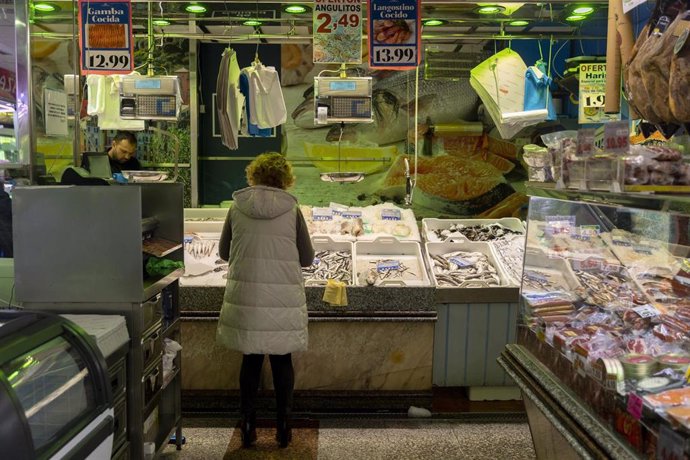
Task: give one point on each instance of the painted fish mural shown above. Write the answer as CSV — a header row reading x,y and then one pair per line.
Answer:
x,y
393,101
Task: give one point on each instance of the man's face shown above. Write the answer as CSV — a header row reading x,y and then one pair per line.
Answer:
x,y
122,151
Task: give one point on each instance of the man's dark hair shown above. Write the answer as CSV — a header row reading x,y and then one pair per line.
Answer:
x,y
125,135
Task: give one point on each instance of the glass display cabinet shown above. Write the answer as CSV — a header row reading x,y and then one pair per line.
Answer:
x,y
604,326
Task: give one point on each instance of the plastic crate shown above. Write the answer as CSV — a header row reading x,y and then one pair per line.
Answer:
x,y
409,253
431,224
436,249
324,243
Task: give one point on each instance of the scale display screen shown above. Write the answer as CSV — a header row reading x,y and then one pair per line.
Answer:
x,y
147,84
342,85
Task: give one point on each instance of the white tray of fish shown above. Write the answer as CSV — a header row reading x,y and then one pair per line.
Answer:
x,y
204,219
332,260
464,265
203,266
389,262
547,274
510,252
476,230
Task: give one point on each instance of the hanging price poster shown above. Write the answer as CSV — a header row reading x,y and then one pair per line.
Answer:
x,y
593,95
105,36
338,31
394,33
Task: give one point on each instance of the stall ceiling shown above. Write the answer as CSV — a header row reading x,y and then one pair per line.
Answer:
x,y
223,21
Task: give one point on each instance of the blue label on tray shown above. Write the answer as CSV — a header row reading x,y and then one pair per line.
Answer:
x,y
622,243
316,261
460,262
388,265
391,214
643,249
352,214
322,214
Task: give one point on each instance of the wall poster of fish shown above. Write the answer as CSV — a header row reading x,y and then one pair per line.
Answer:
x,y
461,177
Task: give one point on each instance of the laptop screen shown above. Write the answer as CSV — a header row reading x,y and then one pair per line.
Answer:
x,y
99,165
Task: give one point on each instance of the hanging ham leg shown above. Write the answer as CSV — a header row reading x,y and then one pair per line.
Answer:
x,y
632,101
637,91
656,70
679,82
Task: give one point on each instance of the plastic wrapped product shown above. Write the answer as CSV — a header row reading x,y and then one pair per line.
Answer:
x,y
537,156
635,170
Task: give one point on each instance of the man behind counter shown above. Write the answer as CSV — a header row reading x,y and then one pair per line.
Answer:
x,y
122,153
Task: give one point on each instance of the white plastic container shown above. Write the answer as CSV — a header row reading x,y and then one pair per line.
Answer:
x,y
204,220
555,267
431,224
437,249
324,243
409,253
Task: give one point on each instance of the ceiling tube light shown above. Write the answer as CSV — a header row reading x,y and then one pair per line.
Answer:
x,y
161,22
575,18
518,23
490,9
583,10
195,8
296,9
45,7
251,22
434,22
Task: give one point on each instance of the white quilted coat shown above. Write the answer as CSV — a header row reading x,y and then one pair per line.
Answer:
x,y
264,308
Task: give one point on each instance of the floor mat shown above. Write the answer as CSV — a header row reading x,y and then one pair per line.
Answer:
x,y
304,445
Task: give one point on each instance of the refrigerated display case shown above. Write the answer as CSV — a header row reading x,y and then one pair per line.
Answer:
x,y
603,340
55,397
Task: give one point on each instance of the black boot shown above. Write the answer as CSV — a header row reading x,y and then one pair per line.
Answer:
x,y
283,432
248,430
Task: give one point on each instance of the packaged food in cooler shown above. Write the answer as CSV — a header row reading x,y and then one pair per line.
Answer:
x,y
668,398
680,414
536,156
635,169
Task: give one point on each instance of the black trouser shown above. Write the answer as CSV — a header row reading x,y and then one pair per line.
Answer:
x,y
283,382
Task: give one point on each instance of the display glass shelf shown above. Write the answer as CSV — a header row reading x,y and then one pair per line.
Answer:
x,y
605,303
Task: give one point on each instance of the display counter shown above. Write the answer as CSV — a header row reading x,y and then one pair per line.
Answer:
x,y
401,334
602,342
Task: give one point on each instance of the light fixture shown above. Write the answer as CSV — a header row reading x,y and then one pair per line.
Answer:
x,y
161,22
583,10
434,22
195,8
518,23
489,9
45,7
251,22
296,9
575,18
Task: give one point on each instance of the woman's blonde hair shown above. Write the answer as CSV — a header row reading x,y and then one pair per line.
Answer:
x,y
272,170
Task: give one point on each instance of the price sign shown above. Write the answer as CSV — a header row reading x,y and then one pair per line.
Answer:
x,y
394,34
585,142
646,311
635,405
105,36
617,137
337,31
592,87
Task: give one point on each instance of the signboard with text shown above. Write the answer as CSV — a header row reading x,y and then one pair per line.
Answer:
x,y
394,34
105,37
338,31
593,95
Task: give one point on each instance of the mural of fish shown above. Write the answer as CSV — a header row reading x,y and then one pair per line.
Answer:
x,y
393,102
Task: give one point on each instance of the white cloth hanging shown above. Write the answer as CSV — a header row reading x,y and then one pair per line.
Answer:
x,y
265,96
104,101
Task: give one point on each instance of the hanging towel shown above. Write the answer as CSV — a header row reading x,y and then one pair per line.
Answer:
x,y
95,94
537,93
251,128
229,100
266,96
110,118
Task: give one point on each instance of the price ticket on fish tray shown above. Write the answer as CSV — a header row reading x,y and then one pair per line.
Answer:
x,y
338,31
394,33
105,36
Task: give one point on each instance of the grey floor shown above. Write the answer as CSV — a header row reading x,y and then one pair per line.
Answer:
x,y
372,439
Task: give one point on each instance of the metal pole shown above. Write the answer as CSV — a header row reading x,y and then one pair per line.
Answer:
x,y
24,109
194,115
76,89
150,41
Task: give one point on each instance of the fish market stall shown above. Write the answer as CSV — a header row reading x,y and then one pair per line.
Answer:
x,y
430,325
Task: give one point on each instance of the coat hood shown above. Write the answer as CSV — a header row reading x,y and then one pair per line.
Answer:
x,y
261,202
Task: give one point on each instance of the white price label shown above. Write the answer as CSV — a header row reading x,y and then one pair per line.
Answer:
x,y
395,55
107,60
646,311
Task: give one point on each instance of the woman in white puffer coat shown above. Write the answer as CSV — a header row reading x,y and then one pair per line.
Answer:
x,y
266,242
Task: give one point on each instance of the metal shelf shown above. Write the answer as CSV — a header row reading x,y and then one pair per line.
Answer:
x,y
152,288
170,378
170,330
